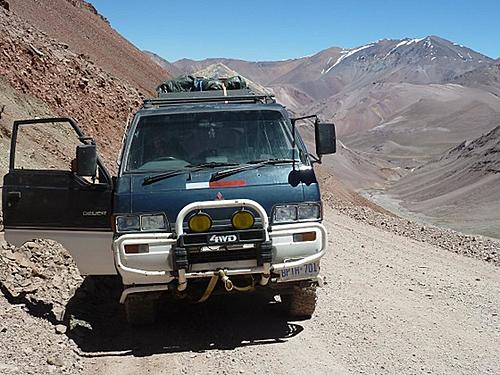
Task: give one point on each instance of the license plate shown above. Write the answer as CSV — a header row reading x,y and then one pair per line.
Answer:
x,y
304,272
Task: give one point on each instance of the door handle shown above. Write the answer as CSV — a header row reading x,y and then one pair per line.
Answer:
x,y
14,196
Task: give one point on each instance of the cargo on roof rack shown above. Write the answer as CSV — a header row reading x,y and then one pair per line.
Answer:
x,y
203,97
189,83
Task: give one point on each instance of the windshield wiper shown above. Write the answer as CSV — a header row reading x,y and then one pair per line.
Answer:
x,y
162,176
252,164
190,168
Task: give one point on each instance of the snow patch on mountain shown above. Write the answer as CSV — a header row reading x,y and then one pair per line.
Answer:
x,y
406,42
346,54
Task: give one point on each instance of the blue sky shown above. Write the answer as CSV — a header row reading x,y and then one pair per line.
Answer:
x,y
261,30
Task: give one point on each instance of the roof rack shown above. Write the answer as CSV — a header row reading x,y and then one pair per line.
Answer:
x,y
215,96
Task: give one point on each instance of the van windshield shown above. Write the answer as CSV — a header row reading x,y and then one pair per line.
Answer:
x,y
173,141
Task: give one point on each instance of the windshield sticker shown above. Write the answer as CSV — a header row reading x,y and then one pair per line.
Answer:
x,y
215,184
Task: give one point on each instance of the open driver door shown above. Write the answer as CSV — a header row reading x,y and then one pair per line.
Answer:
x,y
51,193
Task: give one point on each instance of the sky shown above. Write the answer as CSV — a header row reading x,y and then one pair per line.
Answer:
x,y
259,30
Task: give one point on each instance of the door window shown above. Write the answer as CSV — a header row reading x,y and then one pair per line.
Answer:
x,y
48,146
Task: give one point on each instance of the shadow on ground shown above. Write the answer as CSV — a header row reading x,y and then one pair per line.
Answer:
x,y
96,323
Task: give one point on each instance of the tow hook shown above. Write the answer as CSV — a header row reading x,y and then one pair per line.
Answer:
x,y
228,284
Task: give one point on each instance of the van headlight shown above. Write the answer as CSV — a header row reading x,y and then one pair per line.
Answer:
x,y
141,223
153,222
291,213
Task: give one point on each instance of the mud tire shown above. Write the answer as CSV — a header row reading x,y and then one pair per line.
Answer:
x,y
140,310
300,303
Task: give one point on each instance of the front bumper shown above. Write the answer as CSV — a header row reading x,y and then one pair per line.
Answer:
x,y
158,266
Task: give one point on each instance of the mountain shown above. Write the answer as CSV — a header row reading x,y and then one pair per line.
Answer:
x,y
77,24
484,77
405,100
164,64
398,105
419,61
261,72
459,189
411,123
219,70
426,60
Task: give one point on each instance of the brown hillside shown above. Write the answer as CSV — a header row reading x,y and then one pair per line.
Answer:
x,y
460,189
70,84
85,31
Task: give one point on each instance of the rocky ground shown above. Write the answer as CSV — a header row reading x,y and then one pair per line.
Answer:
x,y
475,246
36,282
397,300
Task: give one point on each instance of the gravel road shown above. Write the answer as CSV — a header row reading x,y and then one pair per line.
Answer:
x,y
390,305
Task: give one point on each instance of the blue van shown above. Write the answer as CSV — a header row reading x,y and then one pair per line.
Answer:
x,y
215,193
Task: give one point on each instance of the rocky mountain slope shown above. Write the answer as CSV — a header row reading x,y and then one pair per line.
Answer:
x,y
68,82
86,32
485,77
465,181
164,64
409,123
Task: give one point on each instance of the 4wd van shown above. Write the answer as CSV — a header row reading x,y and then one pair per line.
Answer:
x,y
215,193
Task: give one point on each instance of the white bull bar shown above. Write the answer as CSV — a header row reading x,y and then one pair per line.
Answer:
x,y
179,227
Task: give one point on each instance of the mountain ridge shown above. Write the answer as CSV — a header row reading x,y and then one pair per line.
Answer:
x,y
399,104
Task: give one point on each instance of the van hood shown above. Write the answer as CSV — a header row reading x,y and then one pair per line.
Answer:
x,y
267,185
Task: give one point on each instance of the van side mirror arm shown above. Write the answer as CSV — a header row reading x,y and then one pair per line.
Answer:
x,y
294,120
315,159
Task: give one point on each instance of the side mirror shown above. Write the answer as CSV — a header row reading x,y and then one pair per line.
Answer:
x,y
86,160
325,138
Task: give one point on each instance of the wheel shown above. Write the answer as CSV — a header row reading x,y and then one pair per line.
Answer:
x,y
301,302
140,309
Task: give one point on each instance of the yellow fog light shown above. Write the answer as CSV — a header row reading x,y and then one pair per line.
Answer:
x,y
200,222
242,220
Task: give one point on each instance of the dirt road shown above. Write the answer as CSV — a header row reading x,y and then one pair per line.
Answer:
x,y
390,305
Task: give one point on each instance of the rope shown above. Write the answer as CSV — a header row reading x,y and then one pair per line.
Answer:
x,y
228,285
210,289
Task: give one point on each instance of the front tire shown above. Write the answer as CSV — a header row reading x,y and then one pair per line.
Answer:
x,y
140,310
301,302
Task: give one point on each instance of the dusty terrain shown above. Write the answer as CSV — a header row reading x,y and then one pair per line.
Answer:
x,y
391,304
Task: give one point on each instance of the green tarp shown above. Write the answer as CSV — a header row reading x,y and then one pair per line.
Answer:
x,y
186,83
